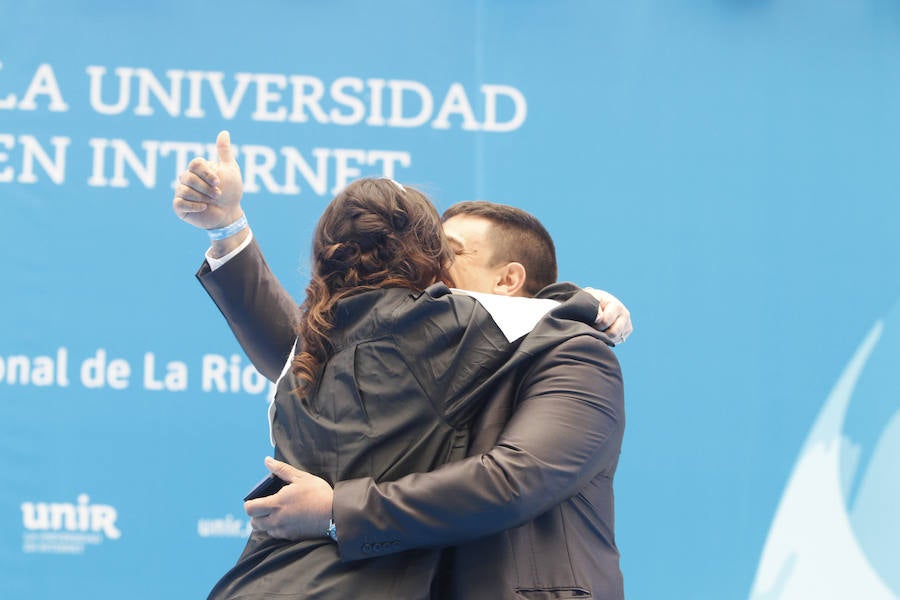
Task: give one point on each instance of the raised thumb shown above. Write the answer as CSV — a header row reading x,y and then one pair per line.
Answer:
x,y
223,147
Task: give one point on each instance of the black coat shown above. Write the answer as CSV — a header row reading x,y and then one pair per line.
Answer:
x,y
410,374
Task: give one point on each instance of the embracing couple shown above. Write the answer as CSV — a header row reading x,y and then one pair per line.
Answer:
x,y
448,418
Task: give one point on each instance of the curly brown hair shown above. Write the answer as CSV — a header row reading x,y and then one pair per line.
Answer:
x,y
375,234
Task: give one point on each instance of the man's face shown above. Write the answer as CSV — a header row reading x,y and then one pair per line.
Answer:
x,y
470,239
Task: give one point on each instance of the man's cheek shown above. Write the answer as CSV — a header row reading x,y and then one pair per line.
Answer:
x,y
455,278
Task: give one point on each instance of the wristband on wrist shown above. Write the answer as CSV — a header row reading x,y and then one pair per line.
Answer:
x,y
229,230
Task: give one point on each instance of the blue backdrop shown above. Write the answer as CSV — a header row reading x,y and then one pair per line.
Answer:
x,y
726,167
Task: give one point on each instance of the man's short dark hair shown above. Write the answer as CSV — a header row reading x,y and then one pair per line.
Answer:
x,y
517,236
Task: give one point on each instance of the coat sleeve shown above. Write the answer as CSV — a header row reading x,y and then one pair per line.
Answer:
x,y
258,309
566,429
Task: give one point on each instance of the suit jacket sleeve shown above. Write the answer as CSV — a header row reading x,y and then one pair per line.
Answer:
x,y
258,309
566,430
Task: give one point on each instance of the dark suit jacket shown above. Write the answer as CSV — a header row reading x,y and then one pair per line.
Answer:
x,y
531,512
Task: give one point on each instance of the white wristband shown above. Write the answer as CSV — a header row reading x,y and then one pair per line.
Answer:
x,y
229,230
215,263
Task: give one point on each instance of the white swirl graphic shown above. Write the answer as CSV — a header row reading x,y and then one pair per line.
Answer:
x,y
817,547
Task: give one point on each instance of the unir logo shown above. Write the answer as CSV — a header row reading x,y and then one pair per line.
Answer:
x,y
79,517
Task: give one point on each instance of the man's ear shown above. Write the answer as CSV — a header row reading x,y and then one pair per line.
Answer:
x,y
511,280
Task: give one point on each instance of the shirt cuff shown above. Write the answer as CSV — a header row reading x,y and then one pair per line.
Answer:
x,y
215,263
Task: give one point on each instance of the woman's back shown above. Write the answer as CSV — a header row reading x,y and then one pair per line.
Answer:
x,y
398,391
395,397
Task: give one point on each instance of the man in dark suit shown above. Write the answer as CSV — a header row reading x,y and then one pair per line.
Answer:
x,y
530,513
